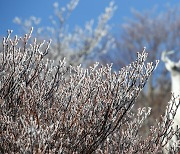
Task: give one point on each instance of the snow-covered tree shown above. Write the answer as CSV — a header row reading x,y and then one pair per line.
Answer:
x,y
174,69
76,45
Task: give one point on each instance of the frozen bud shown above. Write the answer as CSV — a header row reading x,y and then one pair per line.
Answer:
x,y
4,40
144,49
9,31
25,36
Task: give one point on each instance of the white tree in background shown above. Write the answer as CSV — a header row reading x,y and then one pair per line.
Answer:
x,y
78,45
158,32
174,69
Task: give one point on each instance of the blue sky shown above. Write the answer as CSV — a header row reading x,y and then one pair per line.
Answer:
x,y
85,11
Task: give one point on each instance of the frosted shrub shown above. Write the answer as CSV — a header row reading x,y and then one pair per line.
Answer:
x,y
69,109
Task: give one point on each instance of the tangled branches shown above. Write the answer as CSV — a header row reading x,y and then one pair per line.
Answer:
x,y
69,109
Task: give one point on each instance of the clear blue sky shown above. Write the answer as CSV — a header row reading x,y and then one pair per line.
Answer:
x,y
86,10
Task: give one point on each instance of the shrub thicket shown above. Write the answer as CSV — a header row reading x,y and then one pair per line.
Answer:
x,y
69,109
